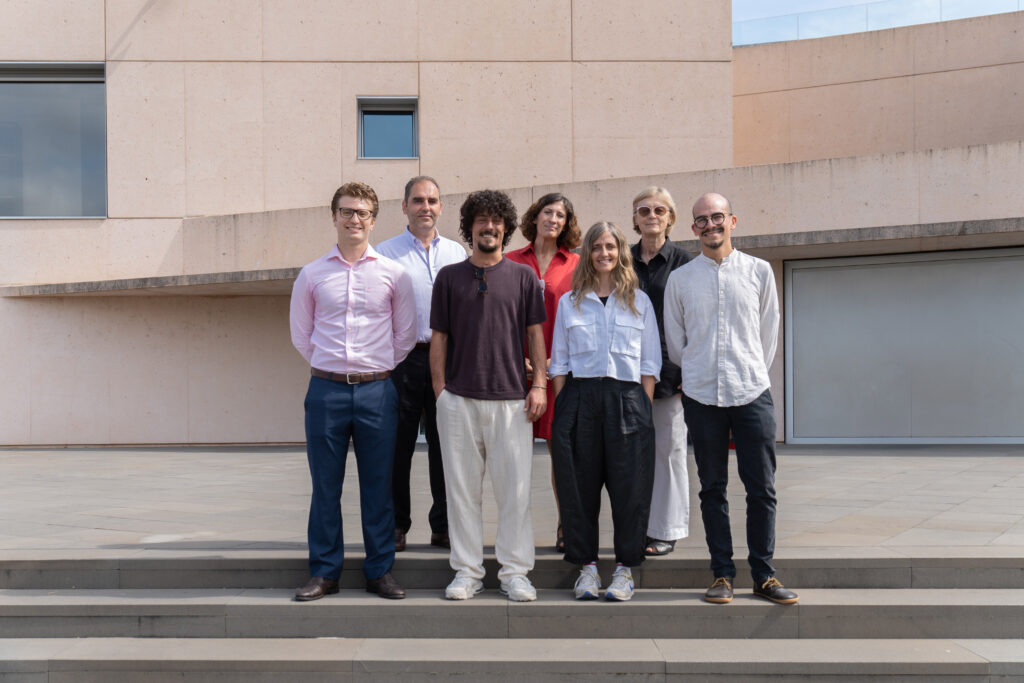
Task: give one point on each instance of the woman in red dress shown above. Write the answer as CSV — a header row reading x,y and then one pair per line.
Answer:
x,y
551,227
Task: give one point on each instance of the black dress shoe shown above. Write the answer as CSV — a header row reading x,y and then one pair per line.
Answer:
x,y
316,588
385,587
771,589
441,540
399,541
720,592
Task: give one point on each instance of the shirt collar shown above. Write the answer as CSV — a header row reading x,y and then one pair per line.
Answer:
x,y
414,241
370,253
563,251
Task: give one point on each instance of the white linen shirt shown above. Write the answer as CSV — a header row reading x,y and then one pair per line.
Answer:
x,y
722,327
422,265
601,340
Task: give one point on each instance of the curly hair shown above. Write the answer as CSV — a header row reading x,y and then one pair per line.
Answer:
x,y
662,194
584,278
487,203
569,237
357,190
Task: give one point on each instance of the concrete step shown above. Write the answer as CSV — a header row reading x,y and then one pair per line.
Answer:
x,y
680,613
428,568
370,660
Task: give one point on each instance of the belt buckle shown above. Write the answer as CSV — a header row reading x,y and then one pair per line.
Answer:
x,y
348,377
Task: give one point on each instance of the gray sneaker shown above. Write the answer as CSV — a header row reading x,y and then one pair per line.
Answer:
x,y
621,587
588,586
771,589
463,588
519,589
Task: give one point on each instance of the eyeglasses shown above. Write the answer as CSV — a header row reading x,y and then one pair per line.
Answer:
x,y
361,214
645,211
481,275
714,219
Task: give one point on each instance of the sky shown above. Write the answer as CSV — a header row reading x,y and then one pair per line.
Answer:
x,y
743,10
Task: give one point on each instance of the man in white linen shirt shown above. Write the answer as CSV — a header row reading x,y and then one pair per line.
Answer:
x,y
721,328
422,251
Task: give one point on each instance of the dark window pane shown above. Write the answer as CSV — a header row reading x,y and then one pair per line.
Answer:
x,y
389,134
53,149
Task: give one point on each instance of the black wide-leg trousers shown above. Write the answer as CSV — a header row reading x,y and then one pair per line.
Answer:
x,y
602,434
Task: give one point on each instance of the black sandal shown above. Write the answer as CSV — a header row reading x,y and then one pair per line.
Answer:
x,y
658,547
559,540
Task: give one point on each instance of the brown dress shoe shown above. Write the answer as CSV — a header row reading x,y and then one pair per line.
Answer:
x,y
385,587
441,540
399,541
316,588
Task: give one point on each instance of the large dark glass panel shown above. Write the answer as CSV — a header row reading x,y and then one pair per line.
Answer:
x,y
52,149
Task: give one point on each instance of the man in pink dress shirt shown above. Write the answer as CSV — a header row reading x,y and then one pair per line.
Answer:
x,y
353,318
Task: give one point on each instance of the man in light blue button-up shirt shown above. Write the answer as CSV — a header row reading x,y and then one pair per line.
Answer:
x,y
721,327
422,251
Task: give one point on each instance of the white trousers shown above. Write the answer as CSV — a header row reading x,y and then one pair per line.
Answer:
x,y
670,502
476,435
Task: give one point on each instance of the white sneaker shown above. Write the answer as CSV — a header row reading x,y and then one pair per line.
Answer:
x,y
588,586
463,588
621,587
519,589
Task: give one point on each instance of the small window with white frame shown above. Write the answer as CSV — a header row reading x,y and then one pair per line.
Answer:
x,y
388,128
53,159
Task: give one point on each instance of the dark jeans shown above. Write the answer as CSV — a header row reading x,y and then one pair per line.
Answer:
x,y
367,414
416,398
753,431
602,434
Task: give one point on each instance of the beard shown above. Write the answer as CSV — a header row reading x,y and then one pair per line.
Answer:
x,y
488,248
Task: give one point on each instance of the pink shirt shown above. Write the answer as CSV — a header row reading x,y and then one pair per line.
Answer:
x,y
353,317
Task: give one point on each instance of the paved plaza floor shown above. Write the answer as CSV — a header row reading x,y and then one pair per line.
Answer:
x,y
837,501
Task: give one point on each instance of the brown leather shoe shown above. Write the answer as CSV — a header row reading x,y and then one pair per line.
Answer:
x,y
316,588
441,540
385,587
399,541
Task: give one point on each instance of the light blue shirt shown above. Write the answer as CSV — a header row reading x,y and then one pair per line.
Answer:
x,y
600,340
422,265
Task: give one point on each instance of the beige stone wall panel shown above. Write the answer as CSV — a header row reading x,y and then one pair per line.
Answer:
x,y
980,41
681,119
340,30
146,150
768,114
71,30
15,406
224,137
644,30
969,107
246,381
526,30
851,119
201,30
43,252
302,138
970,183
496,124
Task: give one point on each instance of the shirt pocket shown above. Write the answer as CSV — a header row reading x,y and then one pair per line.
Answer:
x,y
582,337
627,335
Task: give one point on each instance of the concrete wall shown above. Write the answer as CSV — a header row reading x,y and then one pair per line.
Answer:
x,y
151,369
948,84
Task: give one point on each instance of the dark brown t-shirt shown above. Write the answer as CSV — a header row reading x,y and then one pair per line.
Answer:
x,y
486,331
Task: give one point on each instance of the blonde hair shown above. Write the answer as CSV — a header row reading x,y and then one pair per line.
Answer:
x,y
585,279
662,194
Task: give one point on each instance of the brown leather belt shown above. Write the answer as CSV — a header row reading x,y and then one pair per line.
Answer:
x,y
351,377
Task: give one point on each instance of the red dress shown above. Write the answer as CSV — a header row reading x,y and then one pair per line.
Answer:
x,y
556,282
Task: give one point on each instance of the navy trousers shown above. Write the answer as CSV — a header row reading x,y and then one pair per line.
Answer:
x,y
368,415
753,431
416,398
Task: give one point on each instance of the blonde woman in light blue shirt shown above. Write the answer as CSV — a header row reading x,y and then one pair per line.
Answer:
x,y
605,360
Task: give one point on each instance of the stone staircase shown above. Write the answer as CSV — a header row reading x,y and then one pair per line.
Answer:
x,y
226,617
